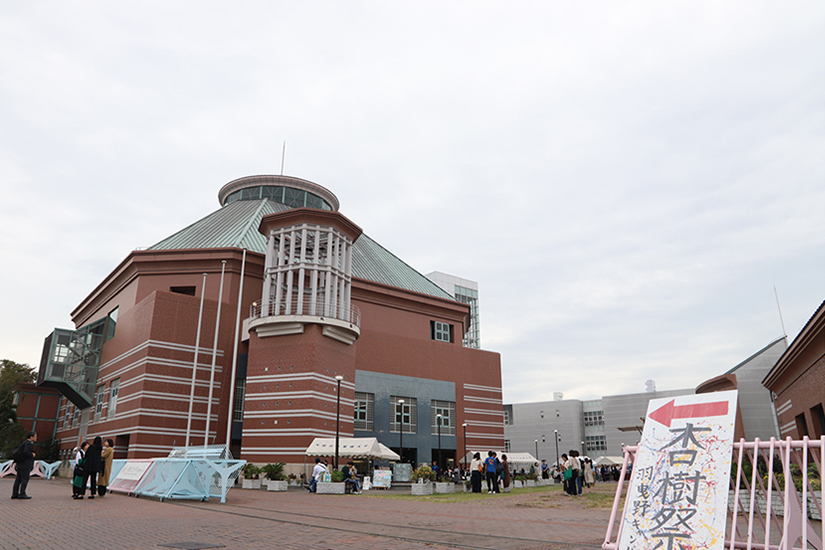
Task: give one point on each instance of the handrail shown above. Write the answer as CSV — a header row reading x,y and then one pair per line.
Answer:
x,y
350,314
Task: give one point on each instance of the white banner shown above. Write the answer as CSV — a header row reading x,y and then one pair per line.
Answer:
x,y
678,497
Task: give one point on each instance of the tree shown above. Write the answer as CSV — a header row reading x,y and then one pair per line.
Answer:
x,y
12,376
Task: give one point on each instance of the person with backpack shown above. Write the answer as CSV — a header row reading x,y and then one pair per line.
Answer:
x,y
78,486
23,457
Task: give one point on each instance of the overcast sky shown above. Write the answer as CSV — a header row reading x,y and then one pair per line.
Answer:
x,y
626,181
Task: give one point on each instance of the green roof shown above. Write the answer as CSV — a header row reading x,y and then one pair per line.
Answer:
x,y
236,225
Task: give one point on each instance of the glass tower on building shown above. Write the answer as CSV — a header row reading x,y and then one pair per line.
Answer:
x,y
466,291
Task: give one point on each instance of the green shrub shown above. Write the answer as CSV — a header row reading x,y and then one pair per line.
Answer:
x,y
275,471
337,476
250,471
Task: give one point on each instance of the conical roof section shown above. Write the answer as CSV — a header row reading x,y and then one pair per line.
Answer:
x,y
236,225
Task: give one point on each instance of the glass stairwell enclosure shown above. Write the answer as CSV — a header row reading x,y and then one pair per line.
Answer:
x,y
71,359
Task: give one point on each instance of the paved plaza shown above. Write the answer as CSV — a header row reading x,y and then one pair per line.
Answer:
x,y
539,519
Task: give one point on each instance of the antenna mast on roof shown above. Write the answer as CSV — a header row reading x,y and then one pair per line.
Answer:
x,y
784,332
283,154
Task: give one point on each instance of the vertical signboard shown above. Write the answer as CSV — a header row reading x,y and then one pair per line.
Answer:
x,y
678,496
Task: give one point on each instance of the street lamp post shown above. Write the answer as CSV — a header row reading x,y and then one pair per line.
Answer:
x,y
584,451
337,418
465,444
438,425
401,432
556,437
537,449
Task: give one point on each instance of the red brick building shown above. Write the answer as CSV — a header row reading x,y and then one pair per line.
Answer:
x,y
319,300
797,382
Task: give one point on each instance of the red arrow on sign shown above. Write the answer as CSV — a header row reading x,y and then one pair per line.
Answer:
x,y
669,411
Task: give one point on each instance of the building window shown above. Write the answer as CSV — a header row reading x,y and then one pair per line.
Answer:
x,y
240,394
447,411
596,442
441,332
403,414
507,446
76,416
594,418
99,403
506,417
114,389
67,422
187,290
363,411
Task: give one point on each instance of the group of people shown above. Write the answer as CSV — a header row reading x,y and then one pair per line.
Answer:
x,y
322,468
494,470
93,466
576,473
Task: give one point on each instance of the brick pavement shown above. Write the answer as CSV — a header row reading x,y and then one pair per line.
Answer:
x,y
259,519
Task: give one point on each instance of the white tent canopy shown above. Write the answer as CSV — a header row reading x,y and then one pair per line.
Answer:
x,y
608,461
512,458
351,447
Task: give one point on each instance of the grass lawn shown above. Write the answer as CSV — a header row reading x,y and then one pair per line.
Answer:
x,y
599,496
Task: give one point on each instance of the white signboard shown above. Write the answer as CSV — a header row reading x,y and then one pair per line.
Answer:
x,y
133,471
678,497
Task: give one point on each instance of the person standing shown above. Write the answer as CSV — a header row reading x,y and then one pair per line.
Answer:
x,y
577,471
78,488
505,474
490,471
24,465
475,472
589,476
107,455
91,466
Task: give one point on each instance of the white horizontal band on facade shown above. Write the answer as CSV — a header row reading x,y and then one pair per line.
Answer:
x,y
297,432
187,382
785,406
265,378
485,436
293,413
487,412
482,388
162,345
297,395
162,413
287,450
485,424
173,397
273,450
789,427
203,370
482,400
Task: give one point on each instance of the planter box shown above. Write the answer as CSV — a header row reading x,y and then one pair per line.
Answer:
x,y
444,488
251,484
530,483
294,482
518,484
419,489
276,485
330,488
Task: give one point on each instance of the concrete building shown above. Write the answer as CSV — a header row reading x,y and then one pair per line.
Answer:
x,y
601,427
283,304
464,291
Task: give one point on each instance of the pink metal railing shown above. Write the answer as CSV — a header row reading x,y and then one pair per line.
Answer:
x,y
350,314
760,499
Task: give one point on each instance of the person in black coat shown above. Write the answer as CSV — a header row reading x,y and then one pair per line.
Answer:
x,y
91,467
24,467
